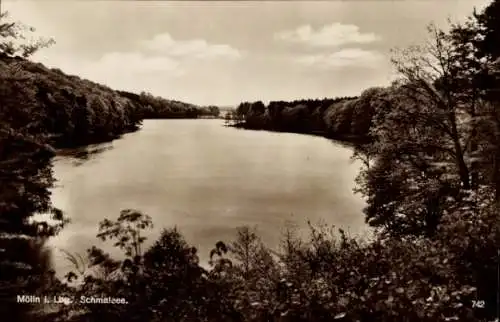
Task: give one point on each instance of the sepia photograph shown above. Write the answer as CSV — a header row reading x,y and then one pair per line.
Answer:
x,y
249,161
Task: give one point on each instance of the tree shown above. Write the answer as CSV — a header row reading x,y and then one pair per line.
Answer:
x,y
26,176
243,109
477,41
214,110
339,117
488,23
425,136
432,78
14,40
164,283
364,110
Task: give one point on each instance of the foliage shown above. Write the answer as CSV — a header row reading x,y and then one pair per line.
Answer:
x,y
329,276
431,178
343,118
14,40
434,138
26,176
76,111
153,107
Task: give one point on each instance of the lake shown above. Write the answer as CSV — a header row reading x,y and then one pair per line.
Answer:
x,y
206,179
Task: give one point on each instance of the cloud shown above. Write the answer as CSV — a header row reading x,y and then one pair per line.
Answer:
x,y
349,57
160,57
133,62
111,66
332,35
189,49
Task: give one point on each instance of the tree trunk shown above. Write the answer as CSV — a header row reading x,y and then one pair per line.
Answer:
x,y
463,170
473,147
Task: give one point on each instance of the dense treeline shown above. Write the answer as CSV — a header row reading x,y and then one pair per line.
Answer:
x,y
154,107
343,118
78,111
431,178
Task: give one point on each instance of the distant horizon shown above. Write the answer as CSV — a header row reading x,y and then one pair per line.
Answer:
x,y
233,51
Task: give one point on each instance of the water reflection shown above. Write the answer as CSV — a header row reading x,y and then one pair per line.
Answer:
x,y
81,155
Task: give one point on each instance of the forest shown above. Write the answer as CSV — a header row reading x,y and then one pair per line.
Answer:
x,y
430,150
76,111
343,118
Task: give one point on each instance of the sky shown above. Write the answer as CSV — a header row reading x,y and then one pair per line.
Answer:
x,y
223,53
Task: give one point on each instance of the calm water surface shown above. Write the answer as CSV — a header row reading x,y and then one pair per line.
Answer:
x,y
206,179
